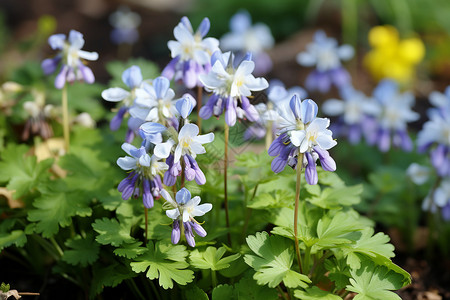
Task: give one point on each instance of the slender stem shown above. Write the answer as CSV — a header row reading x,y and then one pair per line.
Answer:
x,y
183,165
213,278
146,224
297,200
28,294
155,290
225,183
248,213
65,109
199,106
134,288
307,259
57,247
281,292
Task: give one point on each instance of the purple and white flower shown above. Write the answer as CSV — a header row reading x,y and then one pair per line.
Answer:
x,y
183,212
125,23
245,38
393,117
356,114
231,86
325,54
145,176
70,55
191,53
419,174
185,146
439,198
303,134
132,77
435,133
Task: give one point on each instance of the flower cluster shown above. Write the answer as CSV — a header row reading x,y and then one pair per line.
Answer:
x,y
245,38
326,55
305,136
391,57
191,53
70,58
231,86
183,212
436,133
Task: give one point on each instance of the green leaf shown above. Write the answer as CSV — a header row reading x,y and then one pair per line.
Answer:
x,y
84,251
273,261
277,198
314,293
339,272
130,250
370,245
22,172
15,237
112,232
211,258
111,276
336,197
56,207
195,293
166,262
248,289
336,230
224,292
374,282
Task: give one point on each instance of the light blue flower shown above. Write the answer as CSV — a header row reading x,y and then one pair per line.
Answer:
x,y
70,55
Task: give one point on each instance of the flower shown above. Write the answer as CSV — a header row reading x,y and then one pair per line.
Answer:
x,y
154,102
125,23
190,53
183,212
439,198
186,144
145,176
231,87
70,55
39,115
436,133
132,77
391,57
419,174
393,117
185,105
326,55
245,38
356,114
303,133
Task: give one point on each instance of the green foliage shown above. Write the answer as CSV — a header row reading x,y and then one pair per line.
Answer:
x,y
273,261
375,282
111,232
166,262
195,293
212,258
314,293
22,172
246,288
5,287
224,292
111,276
15,237
83,251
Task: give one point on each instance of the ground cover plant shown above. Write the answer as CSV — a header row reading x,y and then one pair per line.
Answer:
x,y
208,179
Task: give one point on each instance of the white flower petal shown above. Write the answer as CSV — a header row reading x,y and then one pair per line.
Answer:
x,y
163,150
126,163
297,136
201,209
204,138
173,213
115,94
188,130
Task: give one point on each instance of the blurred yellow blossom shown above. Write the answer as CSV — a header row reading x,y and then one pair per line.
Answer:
x,y
391,57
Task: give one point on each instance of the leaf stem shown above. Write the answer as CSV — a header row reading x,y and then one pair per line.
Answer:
x,y
155,290
282,293
307,259
199,106
248,213
57,247
65,109
225,183
297,200
213,278
146,225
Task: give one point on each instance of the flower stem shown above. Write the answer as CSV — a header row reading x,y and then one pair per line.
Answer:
x,y
65,109
183,165
213,278
146,224
248,213
225,186
297,200
199,106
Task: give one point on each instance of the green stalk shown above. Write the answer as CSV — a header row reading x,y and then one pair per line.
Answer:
x,y
248,213
65,108
213,278
297,200
225,183
146,224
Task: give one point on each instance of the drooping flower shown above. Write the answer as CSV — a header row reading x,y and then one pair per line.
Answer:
x,y
145,176
231,86
39,115
356,114
393,117
132,77
191,53
183,212
391,57
435,133
184,146
325,54
302,133
70,55
125,23
245,38
439,198
154,102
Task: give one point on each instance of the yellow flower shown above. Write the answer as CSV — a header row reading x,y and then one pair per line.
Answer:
x,y
391,57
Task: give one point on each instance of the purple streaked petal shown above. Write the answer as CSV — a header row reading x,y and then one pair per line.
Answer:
x,y
169,70
384,140
183,196
116,121
278,164
188,234
87,73
327,162
199,229
49,65
308,110
311,171
250,111
176,232
204,26
230,112
60,79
